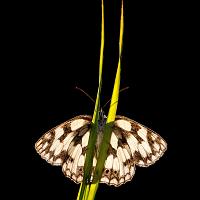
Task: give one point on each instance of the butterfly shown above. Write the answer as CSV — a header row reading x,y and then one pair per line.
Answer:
x,y
131,144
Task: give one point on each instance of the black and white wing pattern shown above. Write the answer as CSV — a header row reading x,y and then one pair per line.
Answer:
x,y
131,144
65,145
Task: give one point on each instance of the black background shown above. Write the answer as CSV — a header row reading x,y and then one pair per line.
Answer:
x,y
55,47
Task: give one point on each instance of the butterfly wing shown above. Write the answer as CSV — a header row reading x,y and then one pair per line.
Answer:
x,y
131,144
119,167
66,145
143,144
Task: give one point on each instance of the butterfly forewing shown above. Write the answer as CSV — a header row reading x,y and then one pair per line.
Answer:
x,y
143,145
131,144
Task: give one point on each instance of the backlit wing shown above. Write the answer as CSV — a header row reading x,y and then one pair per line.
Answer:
x,y
131,144
66,145
143,144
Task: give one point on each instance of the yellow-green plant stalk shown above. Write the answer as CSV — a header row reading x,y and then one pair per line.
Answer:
x,y
110,119
88,190
85,185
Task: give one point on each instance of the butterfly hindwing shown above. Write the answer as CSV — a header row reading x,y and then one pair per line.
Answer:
x,y
73,167
118,167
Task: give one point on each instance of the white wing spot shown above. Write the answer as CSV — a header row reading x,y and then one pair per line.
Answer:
x,y
76,148
132,142
126,170
126,153
51,160
105,179
121,180
68,140
116,164
46,157
124,124
73,177
81,161
64,166
39,146
43,153
156,146
58,149
58,132
78,153
58,161
109,162
157,154
114,141
113,181
154,136
85,139
94,162
54,145
142,151
69,165
162,147
80,178
68,172
120,154
77,123
142,132
121,168
47,136
39,142
141,162
153,158
45,145
132,171
127,177
163,143
146,146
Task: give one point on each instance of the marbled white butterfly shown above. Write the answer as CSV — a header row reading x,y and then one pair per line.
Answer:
x,y
131,144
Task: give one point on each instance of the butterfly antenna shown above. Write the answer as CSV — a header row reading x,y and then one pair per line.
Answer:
x,y
85,94
126,88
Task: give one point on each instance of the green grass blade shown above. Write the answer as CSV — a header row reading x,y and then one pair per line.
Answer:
x,y
85,186
111,117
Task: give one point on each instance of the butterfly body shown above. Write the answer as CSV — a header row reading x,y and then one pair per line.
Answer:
x,y
131,144
101,121
100,128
